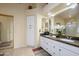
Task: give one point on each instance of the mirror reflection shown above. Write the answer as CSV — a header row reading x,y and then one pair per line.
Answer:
x,y
65,23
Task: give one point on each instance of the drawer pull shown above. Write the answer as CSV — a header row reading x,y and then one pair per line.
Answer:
x,y
54,53
47,43
59,49
47,48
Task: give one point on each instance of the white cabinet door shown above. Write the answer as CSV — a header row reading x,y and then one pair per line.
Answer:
x,y
30,30
45,44
50,46
42,44
64,52
54,48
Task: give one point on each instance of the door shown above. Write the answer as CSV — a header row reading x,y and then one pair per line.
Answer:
x,y
30,31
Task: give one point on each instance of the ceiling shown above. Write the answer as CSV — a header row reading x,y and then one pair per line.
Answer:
x,y
55,9
70,13
35,5
59,7
23,5
52,7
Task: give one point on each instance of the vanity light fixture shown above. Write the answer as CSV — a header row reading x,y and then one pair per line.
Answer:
x,y
69,16
50,14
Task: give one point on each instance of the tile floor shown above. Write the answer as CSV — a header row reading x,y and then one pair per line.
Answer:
x,y
18,52
26,51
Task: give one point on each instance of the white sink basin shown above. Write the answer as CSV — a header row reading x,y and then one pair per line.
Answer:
x,y
67,40
50,36
47,35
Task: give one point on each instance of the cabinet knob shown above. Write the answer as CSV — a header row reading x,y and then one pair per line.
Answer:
x,y
47,43
59,49
47,48
53,52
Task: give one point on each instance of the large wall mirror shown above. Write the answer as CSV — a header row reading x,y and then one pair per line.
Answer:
x,y
67,22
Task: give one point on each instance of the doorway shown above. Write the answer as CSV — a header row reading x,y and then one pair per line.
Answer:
x,y
6,31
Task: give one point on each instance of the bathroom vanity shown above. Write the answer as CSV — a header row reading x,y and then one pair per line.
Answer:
x,y
59,46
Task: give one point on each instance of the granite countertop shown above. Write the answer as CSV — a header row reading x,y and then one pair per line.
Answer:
x,y
63,40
